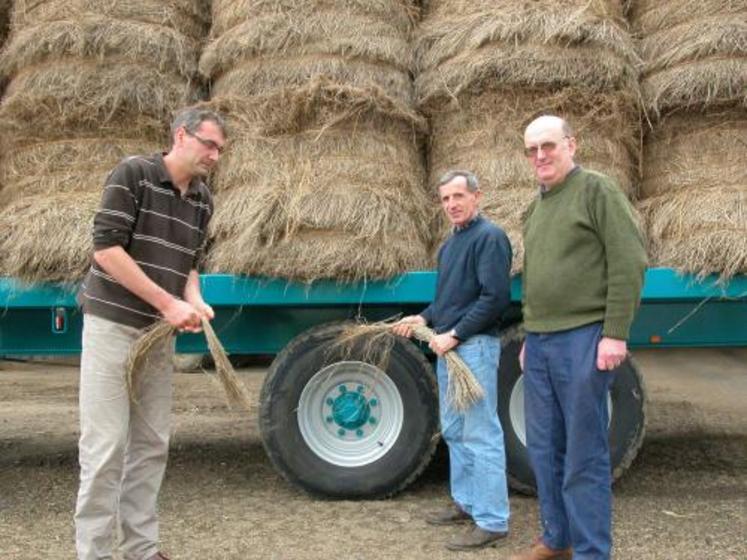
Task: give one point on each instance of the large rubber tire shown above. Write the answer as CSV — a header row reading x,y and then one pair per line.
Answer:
x,y
340,427
627,415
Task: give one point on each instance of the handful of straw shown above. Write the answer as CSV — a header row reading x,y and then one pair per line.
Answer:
x,y
236,393
463,389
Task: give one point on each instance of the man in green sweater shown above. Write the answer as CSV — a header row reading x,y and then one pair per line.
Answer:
x,y
583,272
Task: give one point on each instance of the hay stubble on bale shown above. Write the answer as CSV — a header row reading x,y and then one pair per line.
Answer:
x,y
486,69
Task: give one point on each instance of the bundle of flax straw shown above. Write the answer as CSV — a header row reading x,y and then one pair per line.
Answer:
x,y
378,341
236,393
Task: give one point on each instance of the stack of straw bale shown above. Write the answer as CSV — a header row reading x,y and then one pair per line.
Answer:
x,y
486,68
694,87
91,81
324,177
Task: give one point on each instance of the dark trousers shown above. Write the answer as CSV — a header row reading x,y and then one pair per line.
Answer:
x,y
567,423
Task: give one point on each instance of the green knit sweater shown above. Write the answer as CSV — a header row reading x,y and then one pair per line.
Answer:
x,y
584,257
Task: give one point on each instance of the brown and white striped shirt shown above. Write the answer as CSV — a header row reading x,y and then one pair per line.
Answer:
x,y
144,212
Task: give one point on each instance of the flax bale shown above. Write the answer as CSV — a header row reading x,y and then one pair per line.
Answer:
x,y
260,46
695,197
325,175
46,238
321,182
90,83
188,17
694,52
486,69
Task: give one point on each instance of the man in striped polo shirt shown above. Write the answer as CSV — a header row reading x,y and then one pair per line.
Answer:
x,y
148,237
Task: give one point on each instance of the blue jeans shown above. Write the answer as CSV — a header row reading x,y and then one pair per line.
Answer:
x,y
475,438
567,438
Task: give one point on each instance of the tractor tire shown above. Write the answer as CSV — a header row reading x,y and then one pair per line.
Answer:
x,y
627,402
338,426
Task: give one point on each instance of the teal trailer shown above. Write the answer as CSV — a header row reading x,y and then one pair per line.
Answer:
x,y
337,425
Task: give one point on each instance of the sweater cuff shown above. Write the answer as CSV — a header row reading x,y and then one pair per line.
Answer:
x,y
616,328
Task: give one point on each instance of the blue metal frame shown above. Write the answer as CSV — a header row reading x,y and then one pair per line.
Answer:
x,y
258,315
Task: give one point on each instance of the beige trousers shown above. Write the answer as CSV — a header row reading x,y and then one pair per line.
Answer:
x,y
123,446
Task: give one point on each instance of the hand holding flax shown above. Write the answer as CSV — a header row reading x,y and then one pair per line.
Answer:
x,y
404,327
442,343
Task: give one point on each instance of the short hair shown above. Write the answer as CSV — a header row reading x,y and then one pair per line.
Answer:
x,y
192,117
469,177
566,128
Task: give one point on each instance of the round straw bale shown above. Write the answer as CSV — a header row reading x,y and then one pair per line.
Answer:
x,y
699,230
461,45
695,55
483,132
98,37
47,238
341,163
63,98
231,13
189,17
67,166
272,46
696,198
688,151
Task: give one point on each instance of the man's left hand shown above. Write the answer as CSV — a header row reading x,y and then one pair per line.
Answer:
x,y
611,352
442,343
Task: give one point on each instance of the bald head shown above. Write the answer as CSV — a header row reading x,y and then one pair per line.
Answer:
x,y
548,122
550,146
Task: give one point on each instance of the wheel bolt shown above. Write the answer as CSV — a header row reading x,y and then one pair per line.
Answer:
x,y
341,432
329,402
373,402
343,389
359,432
372,420
330,419
361,388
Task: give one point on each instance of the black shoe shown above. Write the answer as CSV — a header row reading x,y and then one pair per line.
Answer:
x,y
477,538
450,515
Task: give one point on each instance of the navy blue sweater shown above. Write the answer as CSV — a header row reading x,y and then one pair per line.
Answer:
x,y
473,286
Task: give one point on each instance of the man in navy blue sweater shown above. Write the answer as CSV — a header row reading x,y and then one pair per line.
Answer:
x,y
472,293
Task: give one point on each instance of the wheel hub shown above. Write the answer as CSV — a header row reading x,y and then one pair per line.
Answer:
x,y
350,410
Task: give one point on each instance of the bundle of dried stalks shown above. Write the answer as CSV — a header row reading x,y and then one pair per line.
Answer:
x,y
324,181
189,17
463,45
159,333
260,46
373,343
47,238
154,336
483,132
694,52
695,197
236,393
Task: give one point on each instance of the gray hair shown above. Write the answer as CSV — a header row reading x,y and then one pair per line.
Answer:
x,y
192,117
469,177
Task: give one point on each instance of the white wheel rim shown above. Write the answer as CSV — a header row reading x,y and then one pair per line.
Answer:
x,y
350,413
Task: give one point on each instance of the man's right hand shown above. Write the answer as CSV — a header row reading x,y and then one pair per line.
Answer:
x,y
182,315
403,327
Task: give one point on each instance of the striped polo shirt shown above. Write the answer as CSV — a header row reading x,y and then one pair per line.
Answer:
x,y
163,231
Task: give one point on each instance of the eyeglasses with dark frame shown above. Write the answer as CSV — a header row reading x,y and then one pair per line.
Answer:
x,y
546,147
205,142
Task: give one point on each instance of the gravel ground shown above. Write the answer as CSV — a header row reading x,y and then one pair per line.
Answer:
x,y
685,497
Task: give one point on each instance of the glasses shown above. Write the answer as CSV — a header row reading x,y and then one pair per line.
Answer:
x,y
546,147
205,142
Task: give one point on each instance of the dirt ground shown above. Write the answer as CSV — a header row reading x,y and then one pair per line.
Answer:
x,y
685,497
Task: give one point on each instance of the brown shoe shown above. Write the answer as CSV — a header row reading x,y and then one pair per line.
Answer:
x,y
540,551
450,515
476,538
